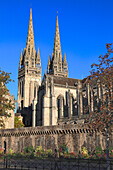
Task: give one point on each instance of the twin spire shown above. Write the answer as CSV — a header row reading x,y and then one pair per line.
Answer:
x,y
57,65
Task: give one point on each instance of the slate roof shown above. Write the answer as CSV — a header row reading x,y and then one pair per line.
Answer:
x,y
64,80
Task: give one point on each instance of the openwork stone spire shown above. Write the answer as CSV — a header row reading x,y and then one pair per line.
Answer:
x,y
57,46
30,36
56,66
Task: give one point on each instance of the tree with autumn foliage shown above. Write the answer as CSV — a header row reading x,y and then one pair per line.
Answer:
x,y
17,122
102,75
6,103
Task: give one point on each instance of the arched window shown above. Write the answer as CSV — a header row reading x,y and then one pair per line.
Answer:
x,y
22,89
60,106
74,106
38,66
35,92
41,115
32,64
29,50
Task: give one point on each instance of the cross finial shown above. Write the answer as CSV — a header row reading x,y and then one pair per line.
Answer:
x,y
57,12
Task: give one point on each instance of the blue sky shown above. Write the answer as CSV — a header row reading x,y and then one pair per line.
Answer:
x,y
85,27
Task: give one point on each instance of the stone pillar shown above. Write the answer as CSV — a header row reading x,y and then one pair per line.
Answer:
x,y
46,106
34,113
69,104
53,105
26,92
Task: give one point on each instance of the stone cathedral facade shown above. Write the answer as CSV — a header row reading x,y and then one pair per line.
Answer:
x,y
54,108
57,99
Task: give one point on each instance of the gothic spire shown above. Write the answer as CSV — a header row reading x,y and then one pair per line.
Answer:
x,y
30,36
56,66
57,46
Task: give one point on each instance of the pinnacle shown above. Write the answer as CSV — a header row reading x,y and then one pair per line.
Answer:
x,y
38,54
38,51
49,60
65,58
30,13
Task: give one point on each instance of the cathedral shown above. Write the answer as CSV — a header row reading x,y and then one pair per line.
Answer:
x,y
57,99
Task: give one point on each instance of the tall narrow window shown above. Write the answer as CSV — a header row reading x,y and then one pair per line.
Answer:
x,y
22,89
29,50
35,92
38,66
58,106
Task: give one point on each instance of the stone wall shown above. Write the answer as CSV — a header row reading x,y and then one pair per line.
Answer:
x,y
48,137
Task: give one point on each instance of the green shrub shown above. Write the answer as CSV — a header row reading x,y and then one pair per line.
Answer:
x,y
1,150
28,149
10,151
99,150
111,150
49,152
39,149
84,152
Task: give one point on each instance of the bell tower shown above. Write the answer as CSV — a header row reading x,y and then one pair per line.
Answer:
x,y
29,76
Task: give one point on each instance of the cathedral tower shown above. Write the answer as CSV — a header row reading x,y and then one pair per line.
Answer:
x,y
29,77
57,66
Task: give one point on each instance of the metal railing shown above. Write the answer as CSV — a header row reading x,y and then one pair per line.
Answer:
x,y
32,163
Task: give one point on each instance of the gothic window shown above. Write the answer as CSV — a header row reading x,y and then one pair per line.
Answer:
x,y
101,92
29,50
27,64
35,92
41,108
66,106
64,70
85,102
60,107
21,66
32,53
21,104
74,106
38,66
32,64
22,88
56,54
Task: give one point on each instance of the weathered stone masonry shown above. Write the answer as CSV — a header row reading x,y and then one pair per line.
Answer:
x,y
76,136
